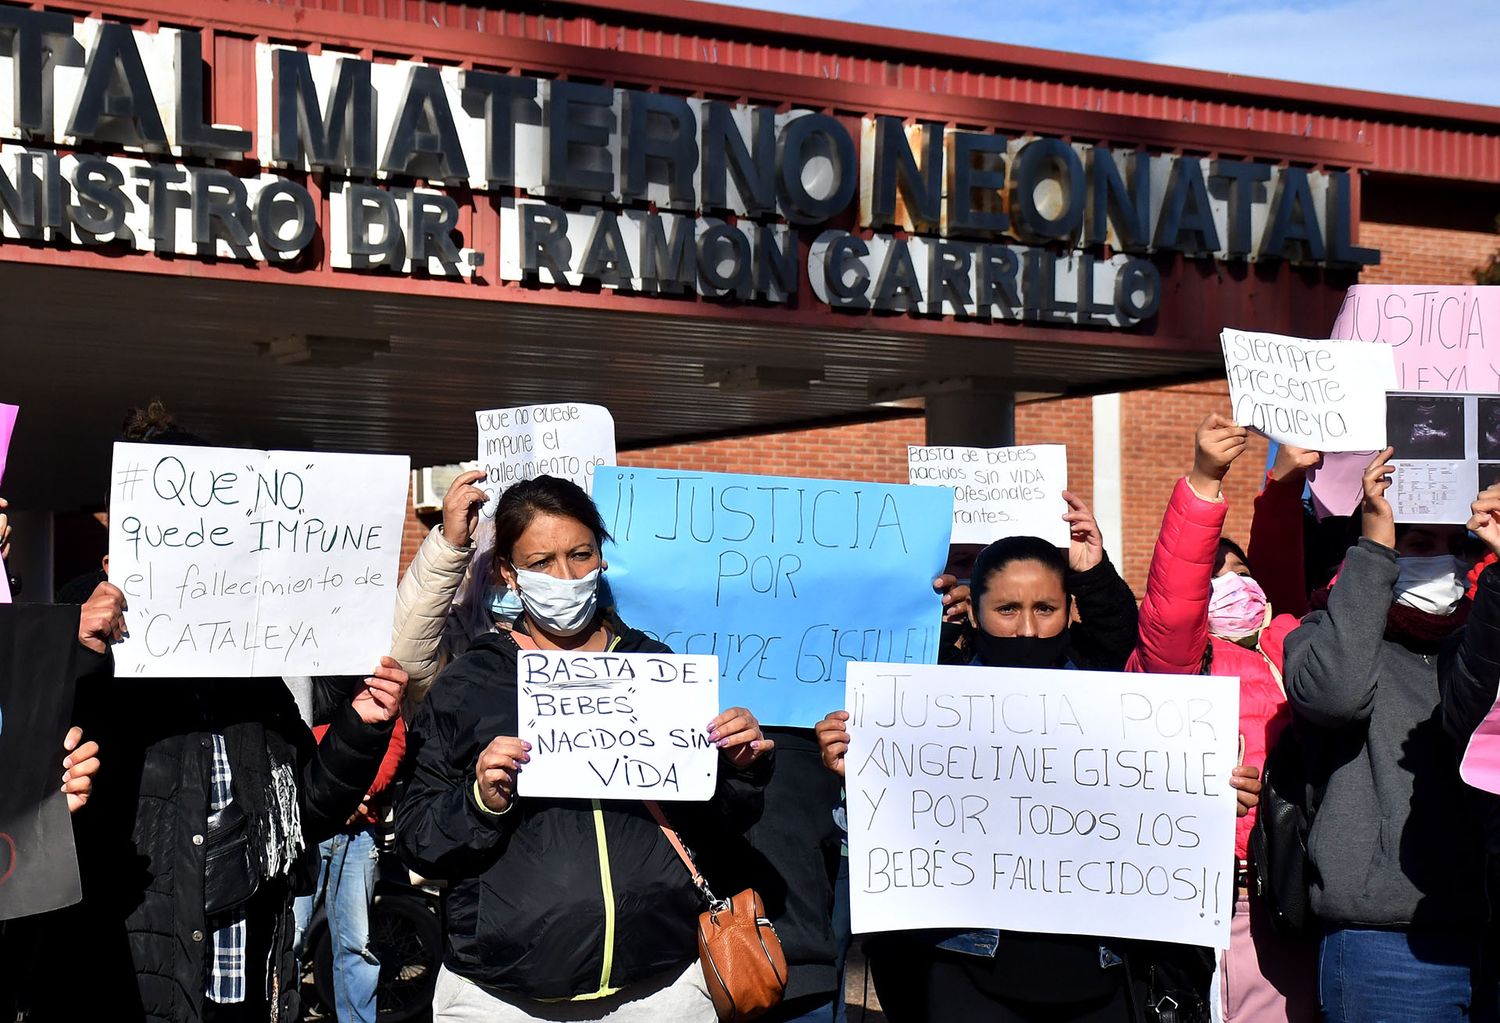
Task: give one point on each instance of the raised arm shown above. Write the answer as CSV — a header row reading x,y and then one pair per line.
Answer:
x,y
1174,614
1275,550
1107,621
427,589
1330,658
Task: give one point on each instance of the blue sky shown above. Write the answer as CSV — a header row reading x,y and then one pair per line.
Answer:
x,y
1445,49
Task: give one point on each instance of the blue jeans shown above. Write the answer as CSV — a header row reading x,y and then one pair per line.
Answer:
x,y
346,873
1369,976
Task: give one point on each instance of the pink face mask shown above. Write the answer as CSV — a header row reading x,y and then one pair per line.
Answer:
x,y
1236,608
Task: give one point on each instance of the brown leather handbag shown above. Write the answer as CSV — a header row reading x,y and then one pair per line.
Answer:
x,y
743,964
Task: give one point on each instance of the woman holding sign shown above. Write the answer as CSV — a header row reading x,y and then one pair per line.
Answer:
x,y
1024,595
1205,613
1395,844
559,908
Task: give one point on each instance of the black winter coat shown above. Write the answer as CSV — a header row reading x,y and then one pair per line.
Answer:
x,y
535,892
140,852
791,858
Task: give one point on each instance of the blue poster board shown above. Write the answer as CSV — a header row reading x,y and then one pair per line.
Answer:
x,y
786,580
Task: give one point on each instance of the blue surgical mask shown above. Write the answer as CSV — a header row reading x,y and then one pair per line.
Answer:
x,y
505,603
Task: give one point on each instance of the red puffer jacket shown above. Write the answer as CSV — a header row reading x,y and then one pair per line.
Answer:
x,y
1174,628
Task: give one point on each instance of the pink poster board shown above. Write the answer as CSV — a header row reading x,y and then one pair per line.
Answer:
x,y
8,415
1445,338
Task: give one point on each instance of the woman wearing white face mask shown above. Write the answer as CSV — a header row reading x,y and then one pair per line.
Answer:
x,y
1395,845
1204,613
558,908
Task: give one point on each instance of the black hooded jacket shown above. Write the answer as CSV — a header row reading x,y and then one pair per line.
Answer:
x,y
140,838
555,898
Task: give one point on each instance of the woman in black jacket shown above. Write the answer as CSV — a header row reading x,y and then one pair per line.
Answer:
x,y
171,937
573,901
1023,594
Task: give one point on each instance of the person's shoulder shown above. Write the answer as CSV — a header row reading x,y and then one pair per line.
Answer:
x,y
489,660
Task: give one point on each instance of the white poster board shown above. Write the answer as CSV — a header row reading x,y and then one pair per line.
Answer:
x,y
1447,451
567,440
618,726
998,492
238,563
1066,802
1320,395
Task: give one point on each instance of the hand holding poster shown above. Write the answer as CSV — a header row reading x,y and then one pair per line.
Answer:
x,y
1442,340
1066,802
618,726
785,580
998,492
1320,395
567,440
239,563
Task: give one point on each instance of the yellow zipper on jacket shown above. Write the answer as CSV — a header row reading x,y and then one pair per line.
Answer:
x,y
607,888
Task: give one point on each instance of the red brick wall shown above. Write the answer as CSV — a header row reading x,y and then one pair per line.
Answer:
x,y
1425,255
1157,449
860,451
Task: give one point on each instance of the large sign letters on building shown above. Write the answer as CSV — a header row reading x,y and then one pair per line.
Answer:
x,y
113,142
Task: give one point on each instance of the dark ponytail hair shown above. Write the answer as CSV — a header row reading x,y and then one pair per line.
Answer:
x,y
544,495
998,555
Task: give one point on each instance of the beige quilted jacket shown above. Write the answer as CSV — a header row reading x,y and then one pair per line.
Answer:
x,y
425,636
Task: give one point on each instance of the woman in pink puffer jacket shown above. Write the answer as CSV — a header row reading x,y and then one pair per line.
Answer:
x,y
1204,613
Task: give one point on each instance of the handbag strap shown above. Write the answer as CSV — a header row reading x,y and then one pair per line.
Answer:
x,y
699,881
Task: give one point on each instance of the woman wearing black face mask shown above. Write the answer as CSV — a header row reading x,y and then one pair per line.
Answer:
x,y
1024,599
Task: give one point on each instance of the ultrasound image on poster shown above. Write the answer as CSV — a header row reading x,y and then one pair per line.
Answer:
x,y
1447,449
1425,426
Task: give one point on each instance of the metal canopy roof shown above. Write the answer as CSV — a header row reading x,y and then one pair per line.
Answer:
x,y
77,347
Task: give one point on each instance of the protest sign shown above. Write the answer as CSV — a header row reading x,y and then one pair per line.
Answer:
x,y
998,491
8,415
617,726
239,563
1322,395
1067,802
1447,449
1442,339
38,867
567,440
784,580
